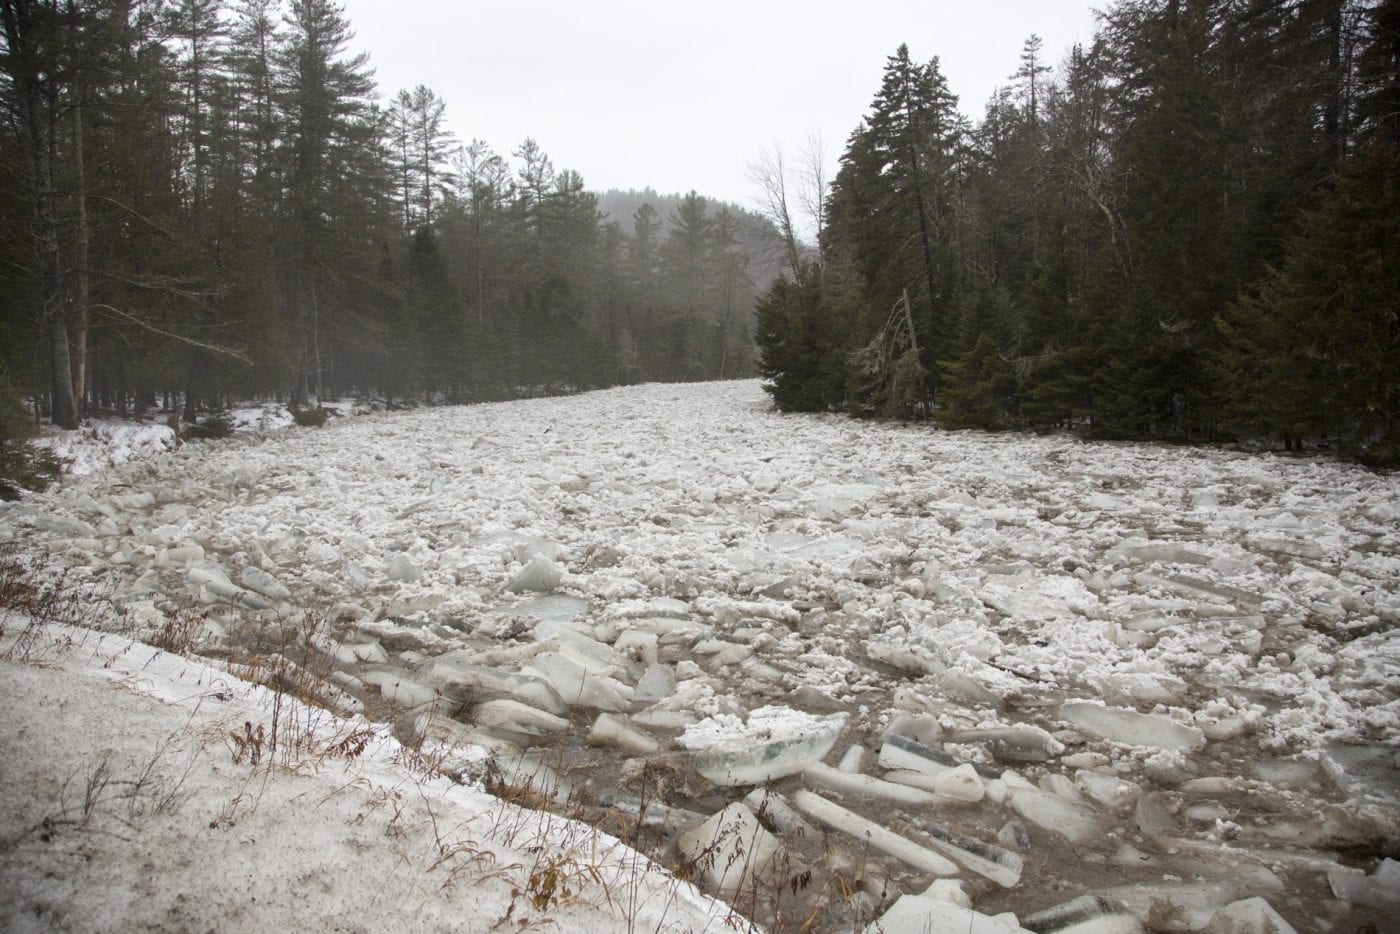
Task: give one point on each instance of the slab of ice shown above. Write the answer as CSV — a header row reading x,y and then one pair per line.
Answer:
x,y
1248,916
852,759
217,584
402,568
1107,789
1087,914
1133,728
1001,866
857,784
264,583
773,807
1073,821
1013,744
557,607
529,771
638,650
920,914
517,718
658,682
541,575
1174,906
1195,585
732,850
1381,889
882,839
903,752
1160,552
579,687
775,742
398,688
609,730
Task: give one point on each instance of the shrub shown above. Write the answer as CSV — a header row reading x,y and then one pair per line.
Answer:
x,y
23,465
310,418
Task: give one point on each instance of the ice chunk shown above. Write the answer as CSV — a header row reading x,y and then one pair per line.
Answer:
x,y
773,807
856,784
920,914
541,575
886,841
1381,889
658,682
217,584
517,718
1071,820
1161,552
1108,789
577,686
920,727
902,752
775,742
1174,906
1001,866
617,731
1195,585
1013,744
1087,914
264,583
1152,815
732,850
1013,836
1249,916
398,688
559,608
402,568
1133,728
852,759
180,554
638,650
529,772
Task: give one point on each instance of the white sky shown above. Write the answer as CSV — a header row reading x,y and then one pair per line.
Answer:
x,y
637,93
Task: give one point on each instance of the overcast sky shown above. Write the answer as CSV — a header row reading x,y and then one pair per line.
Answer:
x,y
638,93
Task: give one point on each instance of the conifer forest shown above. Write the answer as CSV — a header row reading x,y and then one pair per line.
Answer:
x,y
1186,230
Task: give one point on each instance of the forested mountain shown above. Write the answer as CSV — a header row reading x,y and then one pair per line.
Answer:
x,y
207,198
1188,230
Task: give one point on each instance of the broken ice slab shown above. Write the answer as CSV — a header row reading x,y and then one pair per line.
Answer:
x,y
217,585
397,688
852,759
541,575
578,687
857,784
529,772
1248,916
886,841
609,730
658,682
920,914
1000,865
401,568
516,717
774,743
638,650
920,727
1153,816
1186,584
1133,728
1381,889
961,784
555,607
773,807
1013,744
1107,789
437,727
1170,906
1071,820
732,850
580,647
1159,552
903,752
1087,914
180,554
264,583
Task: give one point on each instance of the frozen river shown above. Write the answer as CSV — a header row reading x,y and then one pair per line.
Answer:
x,y
1168,677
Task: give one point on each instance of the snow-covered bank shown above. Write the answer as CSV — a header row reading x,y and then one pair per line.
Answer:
x,y
1131,666
128,801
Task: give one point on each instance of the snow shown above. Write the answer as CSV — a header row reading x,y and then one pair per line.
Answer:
x,y
719,577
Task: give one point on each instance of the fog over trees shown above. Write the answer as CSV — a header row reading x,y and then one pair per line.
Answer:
x,y
210,199
1187,230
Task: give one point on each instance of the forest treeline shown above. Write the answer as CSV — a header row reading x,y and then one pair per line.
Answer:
x,y
1186,231
206,199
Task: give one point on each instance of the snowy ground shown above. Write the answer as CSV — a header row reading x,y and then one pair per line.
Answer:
x,y
1176,671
